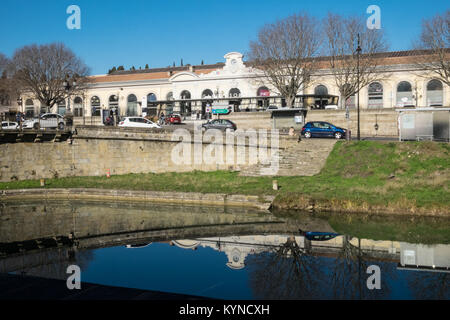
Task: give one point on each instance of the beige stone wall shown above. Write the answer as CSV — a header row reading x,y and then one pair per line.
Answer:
x,y
386,119
94,152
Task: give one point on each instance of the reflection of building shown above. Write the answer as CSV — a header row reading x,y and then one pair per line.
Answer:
x,y
237,248
188,89
424,257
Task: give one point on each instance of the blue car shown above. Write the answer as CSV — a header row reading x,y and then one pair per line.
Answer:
x,y
322,129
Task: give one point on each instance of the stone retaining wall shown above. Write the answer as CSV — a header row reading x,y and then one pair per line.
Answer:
x,y
96,151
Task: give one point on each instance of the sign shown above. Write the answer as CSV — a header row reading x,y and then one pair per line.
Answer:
x,y
298,119
220,111
347,114
408,121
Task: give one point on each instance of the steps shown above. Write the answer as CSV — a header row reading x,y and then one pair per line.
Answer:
x,y
304,158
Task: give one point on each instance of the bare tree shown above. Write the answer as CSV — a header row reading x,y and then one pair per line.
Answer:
x,y
341,35
7,88
435,38
284,53
43,69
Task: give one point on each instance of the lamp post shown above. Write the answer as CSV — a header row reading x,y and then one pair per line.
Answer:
x,y
19,102
358,53
68,85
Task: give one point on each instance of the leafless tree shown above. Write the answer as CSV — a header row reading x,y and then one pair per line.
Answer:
x,y
435,38
286,272
7,87
284,53
341,35
42,70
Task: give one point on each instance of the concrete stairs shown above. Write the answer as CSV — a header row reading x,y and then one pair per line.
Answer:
x,y
304,158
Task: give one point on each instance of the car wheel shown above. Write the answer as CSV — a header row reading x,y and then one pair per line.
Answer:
x,y
36,126
307,134
61,126
338,135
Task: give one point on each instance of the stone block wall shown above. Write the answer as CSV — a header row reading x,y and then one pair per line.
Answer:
x,y
385,118
96,151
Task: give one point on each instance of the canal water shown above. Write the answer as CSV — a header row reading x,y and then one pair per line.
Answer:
x,y
224,253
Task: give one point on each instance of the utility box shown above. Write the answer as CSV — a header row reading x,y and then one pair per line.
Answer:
x,y
424,124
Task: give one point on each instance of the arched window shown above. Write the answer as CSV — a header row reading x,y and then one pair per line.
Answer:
x,y
234,93
169,105
95,106
152,105
62,107
77,107
185,106
263,92
319,100
435,97
404,94
29,108
113,104
132,106
321,90
207,94
185,95
375,93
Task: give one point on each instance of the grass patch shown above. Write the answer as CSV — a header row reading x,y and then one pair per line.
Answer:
x,y
358,176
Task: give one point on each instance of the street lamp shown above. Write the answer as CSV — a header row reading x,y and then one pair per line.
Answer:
x,y
19,102
68,85
358,53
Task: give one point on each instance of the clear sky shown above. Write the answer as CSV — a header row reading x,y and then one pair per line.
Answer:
x,y
160,32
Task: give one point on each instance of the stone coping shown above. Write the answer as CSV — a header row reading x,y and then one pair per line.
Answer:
x,y
262,203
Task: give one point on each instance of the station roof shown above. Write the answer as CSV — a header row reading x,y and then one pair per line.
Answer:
x,y
387,58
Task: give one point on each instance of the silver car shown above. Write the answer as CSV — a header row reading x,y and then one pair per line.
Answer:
x,y
9,125
47,120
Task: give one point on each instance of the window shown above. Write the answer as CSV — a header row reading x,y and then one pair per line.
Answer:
x,y
151,104
95,106
132,105
234,93
435,96
185,106
263,92
375,93
113,104
404,94
62,107
29,108
78,107
321,90
207,94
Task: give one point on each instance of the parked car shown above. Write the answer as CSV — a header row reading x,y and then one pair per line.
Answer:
x,y
322,129
46,120
9,125
221,124
332,106
172,118
269,108
137,122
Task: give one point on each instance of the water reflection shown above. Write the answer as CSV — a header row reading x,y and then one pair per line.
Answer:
x,y
215,252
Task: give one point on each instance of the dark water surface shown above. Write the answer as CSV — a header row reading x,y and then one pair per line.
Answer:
x,y
214,252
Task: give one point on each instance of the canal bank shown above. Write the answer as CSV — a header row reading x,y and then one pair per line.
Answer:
x,y
408,178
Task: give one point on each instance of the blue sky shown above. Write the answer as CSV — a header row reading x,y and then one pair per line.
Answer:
x,y
157,32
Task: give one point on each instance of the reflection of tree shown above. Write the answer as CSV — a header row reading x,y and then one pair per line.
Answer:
x,y
286,272
429,285
349,277
53,263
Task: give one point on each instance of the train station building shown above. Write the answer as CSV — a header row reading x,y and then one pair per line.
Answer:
x,y
192,89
